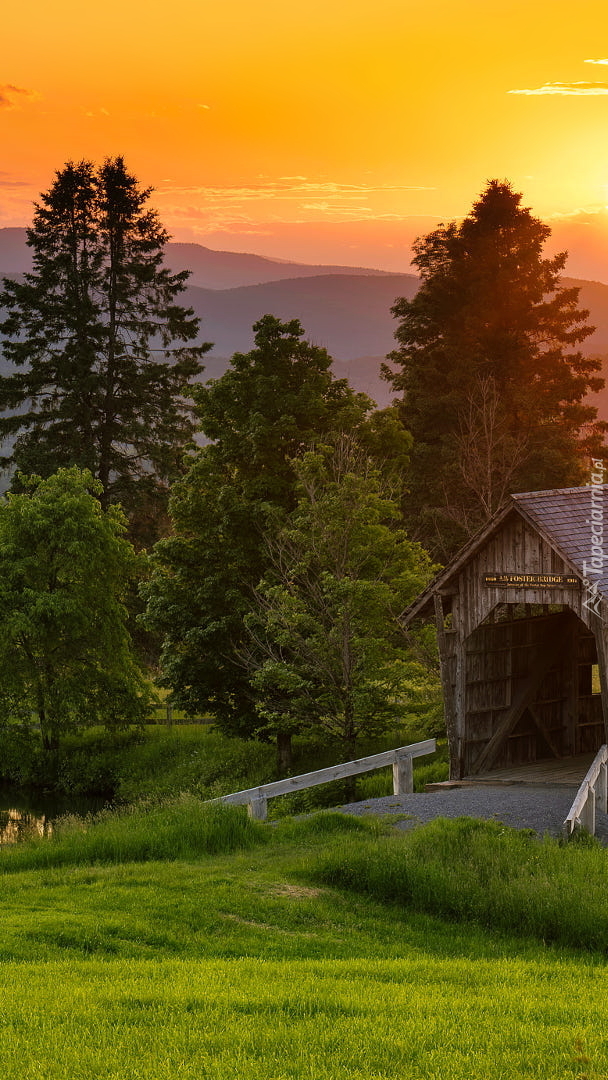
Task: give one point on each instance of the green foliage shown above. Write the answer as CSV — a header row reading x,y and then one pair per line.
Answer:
x,y
97,343
327,655
273,401
157,762
493,385
65,652
183,828
191,759
482,871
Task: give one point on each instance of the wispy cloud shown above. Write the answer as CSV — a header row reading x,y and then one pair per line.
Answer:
x,y
92,114
595,61
282,199
11,95
8,181
291,188
573,89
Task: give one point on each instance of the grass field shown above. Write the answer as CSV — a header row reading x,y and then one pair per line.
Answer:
x,y
236,956
325,1020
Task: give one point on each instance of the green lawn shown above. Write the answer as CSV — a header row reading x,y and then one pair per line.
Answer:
x,y
247,965
258,1019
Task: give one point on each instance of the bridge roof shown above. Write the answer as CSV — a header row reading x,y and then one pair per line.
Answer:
x,y
567,518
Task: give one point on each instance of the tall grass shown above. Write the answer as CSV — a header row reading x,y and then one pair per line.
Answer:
x,y
482,871
182,828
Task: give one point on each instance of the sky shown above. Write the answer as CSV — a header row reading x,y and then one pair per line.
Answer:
x,y
325,131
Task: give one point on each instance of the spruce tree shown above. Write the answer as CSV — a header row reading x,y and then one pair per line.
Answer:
x,y
492,381
100,368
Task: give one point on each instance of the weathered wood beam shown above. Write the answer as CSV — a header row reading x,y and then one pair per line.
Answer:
x,y
571,706
453,722
600,633
544,730
324,776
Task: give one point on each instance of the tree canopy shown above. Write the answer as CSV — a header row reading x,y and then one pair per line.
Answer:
x,y
274,402
65,653
326,654
97,342
493,384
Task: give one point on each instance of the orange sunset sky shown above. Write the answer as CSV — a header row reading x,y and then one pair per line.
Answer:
x,y
330,131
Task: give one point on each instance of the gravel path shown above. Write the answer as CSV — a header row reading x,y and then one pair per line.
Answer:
x,y
540,807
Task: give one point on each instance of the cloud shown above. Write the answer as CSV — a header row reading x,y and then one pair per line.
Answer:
x,y
269,201
291,188
10,95
595,61
574,89
7,181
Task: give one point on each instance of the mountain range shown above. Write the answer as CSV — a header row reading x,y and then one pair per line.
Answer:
x,y
345,309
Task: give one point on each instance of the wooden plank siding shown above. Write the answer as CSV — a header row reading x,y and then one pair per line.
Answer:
x,y
517,660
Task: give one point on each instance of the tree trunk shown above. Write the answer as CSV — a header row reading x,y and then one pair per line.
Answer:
x,y
284,752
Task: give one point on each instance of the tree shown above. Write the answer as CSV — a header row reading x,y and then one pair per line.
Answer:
x,y
96,341
326,653
64,567
274,401
490,307
488,456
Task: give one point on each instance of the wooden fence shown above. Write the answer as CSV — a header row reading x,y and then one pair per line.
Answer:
x,y
163,714
592,792
256,799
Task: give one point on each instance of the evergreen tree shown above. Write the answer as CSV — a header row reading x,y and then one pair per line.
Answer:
x,y
96,341
273,402
490,372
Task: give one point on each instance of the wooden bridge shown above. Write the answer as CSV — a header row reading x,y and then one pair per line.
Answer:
x,y
585,774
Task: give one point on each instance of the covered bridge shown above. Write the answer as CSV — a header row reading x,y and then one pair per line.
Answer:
x,y
522,620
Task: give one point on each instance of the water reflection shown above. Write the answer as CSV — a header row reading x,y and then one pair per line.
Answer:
x,y
26,815
20,825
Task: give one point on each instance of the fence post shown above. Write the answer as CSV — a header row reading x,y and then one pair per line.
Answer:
x,y
602,787
403,774
588,814
258,809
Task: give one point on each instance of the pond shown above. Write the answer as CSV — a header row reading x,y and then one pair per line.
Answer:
x,y
24,814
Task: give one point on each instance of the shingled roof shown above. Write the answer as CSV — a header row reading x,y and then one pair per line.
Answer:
x,y
563,516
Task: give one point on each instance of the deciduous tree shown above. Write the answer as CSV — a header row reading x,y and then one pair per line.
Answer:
x,y
65,652
273,402
326,653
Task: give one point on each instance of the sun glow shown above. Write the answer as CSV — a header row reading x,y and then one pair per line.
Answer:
x,y
271,118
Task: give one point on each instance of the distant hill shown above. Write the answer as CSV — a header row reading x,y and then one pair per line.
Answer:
x,y
210,269
15,256
346,310
350,316
228,269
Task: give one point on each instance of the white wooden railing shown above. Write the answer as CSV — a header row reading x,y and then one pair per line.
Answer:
x,y
591,794
256,798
